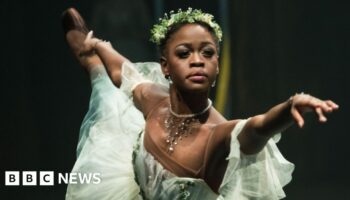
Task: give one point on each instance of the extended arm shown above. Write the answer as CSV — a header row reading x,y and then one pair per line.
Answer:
x,y
111,59
259,129
145,95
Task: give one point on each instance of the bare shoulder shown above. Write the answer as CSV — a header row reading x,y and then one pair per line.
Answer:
x,y
222,129
147,95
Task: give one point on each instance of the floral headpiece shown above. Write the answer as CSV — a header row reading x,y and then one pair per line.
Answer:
x,y
160,30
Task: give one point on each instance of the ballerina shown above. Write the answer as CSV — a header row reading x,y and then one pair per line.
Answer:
x,y
152,132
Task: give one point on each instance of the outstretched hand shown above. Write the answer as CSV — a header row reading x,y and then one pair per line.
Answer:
x,y
90,44
302,103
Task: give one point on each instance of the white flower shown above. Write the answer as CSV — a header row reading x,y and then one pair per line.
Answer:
x,y
160,30
171,21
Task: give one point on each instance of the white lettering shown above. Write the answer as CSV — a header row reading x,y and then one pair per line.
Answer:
x,y
85,177
73,178
63,178
97,178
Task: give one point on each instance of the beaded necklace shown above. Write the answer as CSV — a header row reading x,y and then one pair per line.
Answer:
x,y
181,125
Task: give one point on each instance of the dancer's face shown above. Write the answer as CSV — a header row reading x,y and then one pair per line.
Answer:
x,y
191,58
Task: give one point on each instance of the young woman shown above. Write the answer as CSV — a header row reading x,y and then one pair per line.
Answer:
x,y
152,133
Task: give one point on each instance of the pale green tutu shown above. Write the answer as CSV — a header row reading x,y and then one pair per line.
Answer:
x,y
111,143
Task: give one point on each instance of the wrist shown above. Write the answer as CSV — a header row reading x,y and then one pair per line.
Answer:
x,y
290,100
95,44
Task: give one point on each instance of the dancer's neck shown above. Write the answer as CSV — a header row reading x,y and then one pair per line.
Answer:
x,y
188,102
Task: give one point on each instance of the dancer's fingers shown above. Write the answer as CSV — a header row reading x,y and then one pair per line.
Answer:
x,y
320,114
324,106
297,117
332,104
89,35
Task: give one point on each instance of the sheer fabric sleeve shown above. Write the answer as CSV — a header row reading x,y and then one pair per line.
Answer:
x,y
134,74
260,176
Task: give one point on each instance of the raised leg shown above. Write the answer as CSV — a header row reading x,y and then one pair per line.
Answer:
x,y
91,51
75,31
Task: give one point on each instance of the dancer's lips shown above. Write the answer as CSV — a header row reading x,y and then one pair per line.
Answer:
x,y
198,77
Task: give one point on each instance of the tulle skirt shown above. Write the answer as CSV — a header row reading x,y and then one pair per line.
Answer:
x,y
110,144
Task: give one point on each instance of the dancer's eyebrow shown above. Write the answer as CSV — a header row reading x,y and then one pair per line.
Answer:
x,y
187,44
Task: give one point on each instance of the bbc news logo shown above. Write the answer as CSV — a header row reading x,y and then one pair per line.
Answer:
x,y
47,178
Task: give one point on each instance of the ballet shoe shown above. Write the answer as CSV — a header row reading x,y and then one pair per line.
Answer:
x,y
75,32
72,20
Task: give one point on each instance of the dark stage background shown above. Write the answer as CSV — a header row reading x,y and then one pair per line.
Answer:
x,y
278,47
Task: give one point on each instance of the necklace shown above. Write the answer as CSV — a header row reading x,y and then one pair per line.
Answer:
x,y
190,115
181,125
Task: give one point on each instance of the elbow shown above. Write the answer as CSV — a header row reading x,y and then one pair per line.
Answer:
x,y
254,144
261,126
116,78
258,125
253,138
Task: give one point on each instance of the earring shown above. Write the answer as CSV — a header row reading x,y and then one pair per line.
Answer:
x,y
214,83
169,79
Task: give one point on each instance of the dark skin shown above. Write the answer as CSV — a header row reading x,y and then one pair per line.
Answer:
x,y
191,60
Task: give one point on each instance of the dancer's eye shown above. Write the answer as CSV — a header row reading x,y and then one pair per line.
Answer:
x,y
208,52
183,53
